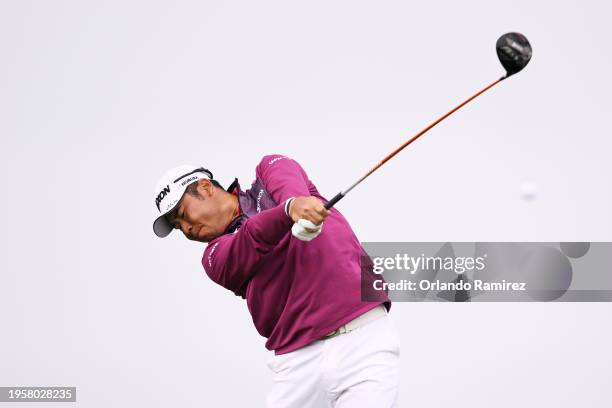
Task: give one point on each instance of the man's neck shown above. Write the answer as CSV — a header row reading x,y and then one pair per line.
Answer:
x,y
236,205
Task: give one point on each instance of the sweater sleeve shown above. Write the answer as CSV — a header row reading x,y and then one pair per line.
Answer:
x,y
230,259
283,177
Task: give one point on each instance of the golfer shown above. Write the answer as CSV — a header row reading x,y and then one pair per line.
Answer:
x,y
299,267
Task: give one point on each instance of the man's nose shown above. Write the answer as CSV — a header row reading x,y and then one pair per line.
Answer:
x,y
186,227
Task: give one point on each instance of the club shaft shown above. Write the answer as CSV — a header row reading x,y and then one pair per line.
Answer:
x,y
342,194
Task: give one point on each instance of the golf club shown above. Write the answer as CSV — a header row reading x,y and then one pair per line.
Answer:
x,y
513,51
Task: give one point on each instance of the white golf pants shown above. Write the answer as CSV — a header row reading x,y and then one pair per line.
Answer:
x,y
358,369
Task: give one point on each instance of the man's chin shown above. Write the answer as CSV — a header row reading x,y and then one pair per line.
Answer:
x,y
200,238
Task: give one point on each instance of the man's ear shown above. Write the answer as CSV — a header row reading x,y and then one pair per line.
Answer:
x,y
205,187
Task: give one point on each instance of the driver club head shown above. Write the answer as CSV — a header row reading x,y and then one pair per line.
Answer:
x,y
514,52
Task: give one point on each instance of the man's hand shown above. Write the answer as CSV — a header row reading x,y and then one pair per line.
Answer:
x,y
308,208
308,214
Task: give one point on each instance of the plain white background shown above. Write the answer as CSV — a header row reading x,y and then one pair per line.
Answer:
x,y
98,98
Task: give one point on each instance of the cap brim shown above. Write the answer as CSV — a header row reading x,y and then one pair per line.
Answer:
x,y
162,227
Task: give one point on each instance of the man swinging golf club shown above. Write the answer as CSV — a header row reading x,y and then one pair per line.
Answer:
x,y
304,294
331,348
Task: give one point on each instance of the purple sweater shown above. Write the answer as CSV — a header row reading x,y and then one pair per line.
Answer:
x,y
296,291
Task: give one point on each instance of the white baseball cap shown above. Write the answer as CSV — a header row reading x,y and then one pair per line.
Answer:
x,y
169,191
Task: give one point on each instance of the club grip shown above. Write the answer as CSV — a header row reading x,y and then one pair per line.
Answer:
x,y
334,200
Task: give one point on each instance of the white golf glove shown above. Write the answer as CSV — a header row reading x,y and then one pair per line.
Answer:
x,y
305,230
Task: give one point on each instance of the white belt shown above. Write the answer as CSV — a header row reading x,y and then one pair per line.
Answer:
x,y
359,321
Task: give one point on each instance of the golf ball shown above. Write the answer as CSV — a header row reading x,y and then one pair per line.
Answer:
x,y
528,191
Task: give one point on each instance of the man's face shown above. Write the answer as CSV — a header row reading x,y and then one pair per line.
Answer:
x,y
199,217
